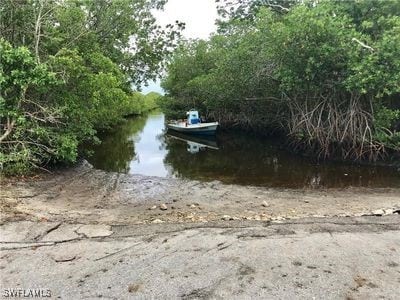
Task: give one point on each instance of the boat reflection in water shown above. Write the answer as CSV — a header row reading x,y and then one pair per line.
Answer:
x,y
196,143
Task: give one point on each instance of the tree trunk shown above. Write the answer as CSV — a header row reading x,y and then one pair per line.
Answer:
x,y
38,24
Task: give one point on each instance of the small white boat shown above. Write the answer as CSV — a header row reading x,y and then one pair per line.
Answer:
x,y
193,125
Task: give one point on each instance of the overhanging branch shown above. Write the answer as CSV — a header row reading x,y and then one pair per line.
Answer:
x,y
362,44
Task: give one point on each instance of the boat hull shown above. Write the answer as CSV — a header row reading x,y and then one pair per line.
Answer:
x,y
198,129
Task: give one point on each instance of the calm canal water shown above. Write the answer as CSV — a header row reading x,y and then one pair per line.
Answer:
x,y
142,146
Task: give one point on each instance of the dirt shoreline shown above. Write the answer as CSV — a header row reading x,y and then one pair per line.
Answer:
x,y
84,194
82,233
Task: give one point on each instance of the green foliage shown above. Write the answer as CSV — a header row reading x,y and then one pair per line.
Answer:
x,y
28,127
139,104
312,69
66,71
150,101
385,120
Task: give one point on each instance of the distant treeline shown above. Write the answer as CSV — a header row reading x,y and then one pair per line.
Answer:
x,y
141,103
66,70
326,74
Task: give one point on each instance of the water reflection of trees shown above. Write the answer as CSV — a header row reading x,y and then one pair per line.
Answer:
x,y
117,148
241,159
245,159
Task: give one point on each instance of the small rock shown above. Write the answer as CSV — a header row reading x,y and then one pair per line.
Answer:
x,y
192,206
318,216
92,230
62,233
226,217
306,201
153,207
64,257
389,211
378,212
163,207
133,288
265,204
157,221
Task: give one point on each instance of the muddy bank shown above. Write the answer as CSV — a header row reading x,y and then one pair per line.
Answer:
x,y
86,195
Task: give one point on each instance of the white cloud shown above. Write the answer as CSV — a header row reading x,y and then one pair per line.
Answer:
x,y
199,16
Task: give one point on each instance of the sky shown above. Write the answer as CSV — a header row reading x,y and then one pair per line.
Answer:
x,y
199,16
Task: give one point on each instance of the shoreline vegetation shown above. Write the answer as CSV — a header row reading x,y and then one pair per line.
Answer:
x,y
323,74
68,69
